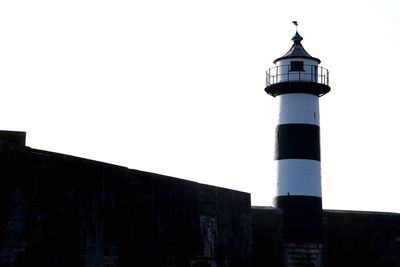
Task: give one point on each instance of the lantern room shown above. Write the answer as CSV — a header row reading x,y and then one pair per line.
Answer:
x,y
297,72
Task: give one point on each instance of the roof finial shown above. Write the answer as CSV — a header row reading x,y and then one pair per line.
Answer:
x,y
297,37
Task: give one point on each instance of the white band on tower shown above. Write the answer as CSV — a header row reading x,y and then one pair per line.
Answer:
x,y
298,108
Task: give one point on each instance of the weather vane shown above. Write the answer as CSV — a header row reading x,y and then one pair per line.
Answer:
x,y
295,23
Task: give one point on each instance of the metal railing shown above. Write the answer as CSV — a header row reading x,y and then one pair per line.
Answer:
x,y
310,73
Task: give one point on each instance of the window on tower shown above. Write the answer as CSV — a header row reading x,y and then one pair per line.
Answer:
x,y
296,66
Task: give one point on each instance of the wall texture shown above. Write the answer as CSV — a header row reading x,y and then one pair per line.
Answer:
x,y
350,238
58,210
267,236
356,238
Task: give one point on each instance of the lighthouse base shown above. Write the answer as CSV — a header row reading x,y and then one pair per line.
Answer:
x,y
302,255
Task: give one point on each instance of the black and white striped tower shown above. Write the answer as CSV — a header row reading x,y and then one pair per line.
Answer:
x,y
298,81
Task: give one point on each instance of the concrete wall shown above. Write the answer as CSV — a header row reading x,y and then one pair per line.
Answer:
x,y
368,239
58,210
267,236
356,238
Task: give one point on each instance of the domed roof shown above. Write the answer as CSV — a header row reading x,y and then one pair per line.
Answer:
x,y
297,50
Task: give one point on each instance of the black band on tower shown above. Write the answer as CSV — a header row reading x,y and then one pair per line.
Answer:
x,y
302,218
297,141
312,88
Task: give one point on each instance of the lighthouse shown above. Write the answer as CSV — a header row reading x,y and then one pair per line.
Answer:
x,y
298,81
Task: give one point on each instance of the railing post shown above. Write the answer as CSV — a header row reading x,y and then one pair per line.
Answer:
x,y
327,75
312,74
287,71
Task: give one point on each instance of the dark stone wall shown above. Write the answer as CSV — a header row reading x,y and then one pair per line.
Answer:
x,y
267,236
368,239
58,210
356,238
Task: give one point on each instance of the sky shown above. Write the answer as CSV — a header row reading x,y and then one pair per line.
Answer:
x,y
177,88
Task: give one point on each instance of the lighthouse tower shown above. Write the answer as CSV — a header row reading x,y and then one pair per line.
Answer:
x,y
297,81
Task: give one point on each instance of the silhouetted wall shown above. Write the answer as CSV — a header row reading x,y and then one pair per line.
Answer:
x,y
267,236
357,238
351,238
58,210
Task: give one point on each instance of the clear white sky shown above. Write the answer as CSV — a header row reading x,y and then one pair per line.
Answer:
x,y
177,87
